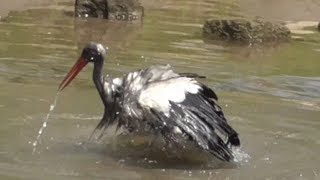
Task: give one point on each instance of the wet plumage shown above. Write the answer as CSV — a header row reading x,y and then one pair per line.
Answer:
x,y
157,99
160,101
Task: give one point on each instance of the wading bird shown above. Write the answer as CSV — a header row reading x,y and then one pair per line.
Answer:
x,y
159,101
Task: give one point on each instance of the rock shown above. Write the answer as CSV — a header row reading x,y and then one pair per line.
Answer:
x,y
245,31
126,10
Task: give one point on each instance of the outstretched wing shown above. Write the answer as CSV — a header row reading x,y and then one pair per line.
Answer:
x,y
183,105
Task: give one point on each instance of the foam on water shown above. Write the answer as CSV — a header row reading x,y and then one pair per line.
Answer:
x,y
240,156
44,124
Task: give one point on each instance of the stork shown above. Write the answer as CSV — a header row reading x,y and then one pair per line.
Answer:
x,y
160,101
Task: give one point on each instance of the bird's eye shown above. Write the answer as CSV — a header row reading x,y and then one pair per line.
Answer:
x,y
94,53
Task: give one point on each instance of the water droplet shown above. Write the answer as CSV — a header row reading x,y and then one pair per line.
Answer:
x,y
121,161
315,173
266,159
163,170
44,124
79,143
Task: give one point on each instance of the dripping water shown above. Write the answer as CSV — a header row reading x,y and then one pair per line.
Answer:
x,y
45,123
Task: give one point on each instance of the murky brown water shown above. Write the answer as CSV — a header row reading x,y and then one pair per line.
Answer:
x,y
270,95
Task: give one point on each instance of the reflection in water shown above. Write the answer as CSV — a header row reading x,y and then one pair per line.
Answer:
x,y
271,95
117,35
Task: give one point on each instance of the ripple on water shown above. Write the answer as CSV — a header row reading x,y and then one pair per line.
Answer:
x,y
287,87
47,38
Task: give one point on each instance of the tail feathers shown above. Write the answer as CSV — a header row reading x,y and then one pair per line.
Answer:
x,y
220,151
234,140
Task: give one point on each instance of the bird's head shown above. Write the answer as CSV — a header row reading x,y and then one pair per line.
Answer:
x,y
92,52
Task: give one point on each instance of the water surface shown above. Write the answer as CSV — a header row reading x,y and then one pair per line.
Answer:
x,y
269,94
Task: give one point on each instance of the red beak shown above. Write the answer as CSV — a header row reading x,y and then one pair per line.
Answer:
x,y
73,73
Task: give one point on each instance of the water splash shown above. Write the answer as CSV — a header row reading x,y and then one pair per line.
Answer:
x,y
45,123
240,156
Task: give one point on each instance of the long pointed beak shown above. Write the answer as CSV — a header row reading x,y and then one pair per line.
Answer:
x,y
73,73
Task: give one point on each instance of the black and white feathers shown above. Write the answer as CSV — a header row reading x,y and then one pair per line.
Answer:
x,y
171,104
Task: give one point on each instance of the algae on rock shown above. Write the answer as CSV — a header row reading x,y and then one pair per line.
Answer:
x,y
245,31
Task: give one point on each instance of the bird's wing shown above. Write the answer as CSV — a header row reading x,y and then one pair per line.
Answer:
x,y
183,103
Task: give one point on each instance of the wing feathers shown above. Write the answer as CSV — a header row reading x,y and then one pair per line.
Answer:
x,y
172,105
200,118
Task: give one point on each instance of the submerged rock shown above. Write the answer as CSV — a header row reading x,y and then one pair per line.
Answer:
x,y
245,31
126,10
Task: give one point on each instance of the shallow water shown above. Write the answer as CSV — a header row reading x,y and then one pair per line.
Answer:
x,y
270,94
